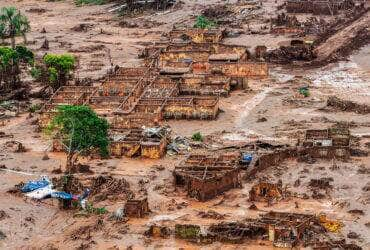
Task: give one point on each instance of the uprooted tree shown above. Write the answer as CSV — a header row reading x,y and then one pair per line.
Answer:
x,y
13,24
10,69
55,70
81,131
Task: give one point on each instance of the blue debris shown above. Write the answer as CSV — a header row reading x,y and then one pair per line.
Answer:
x,y
62,195
247,158
34,185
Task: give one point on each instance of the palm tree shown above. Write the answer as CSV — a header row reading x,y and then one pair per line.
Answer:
x,y
8,16
23,27
2,33
15,23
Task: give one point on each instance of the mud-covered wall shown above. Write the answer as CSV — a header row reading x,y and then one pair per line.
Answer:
x,y
247,69
208,188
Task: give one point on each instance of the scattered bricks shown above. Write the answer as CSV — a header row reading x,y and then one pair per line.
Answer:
x,y
189,232
137,208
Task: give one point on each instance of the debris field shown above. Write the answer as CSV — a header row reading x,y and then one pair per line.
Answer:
x,y
230,124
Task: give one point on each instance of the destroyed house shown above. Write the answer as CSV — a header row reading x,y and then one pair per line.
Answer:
x,y
287,229
217,85
205,177
318,7
236,70
327,143
137,208
139,142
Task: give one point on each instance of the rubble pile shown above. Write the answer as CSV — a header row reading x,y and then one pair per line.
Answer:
x,y
289,54
347,106
108,187
328,7
233,15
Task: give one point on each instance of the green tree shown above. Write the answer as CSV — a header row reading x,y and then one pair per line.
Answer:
x,y
23,27
80,130
13,24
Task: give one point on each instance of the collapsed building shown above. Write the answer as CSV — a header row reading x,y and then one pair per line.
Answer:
x,y
146,142
327,143
206,176
318,7
181,78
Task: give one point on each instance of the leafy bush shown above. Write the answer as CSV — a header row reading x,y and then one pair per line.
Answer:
x,y
36,73
63,63
304,91
197,137
53,75
203,23
95,210
25,55
34,107
58,68
90,2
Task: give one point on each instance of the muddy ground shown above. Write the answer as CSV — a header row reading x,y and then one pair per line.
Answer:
x,y
42,225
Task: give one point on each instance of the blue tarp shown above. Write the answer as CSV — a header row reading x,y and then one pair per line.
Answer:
x,y
33,185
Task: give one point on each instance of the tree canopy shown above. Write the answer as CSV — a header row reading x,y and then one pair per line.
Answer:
x,y
80,130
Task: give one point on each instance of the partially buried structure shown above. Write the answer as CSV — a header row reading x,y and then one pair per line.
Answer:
x,y
206,176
